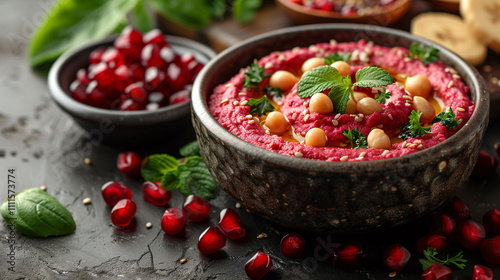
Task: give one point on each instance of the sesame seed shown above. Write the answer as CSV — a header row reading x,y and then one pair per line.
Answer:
x,y
385,152
255,119
460,109
455,76
417,142
361,115
299,154
238,205
294,116
337,116
268,65
236,103
407,97
228,85
404,144
392,274
344,220
281,57
87,201
358,119
305,112
394,189
183,261
251,121
262,235
412,146
390,117
363,154
335,122
344,158
442,165
407,59
333,42
407,104
224,101
306,104
359,158
149,225
87,161
244,103
249,117
380,126
450,84
268,132
435,88
399,53
420,146
242,93
44,188
306,117
447,70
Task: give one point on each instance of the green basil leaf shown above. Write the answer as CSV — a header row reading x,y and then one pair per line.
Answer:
x,y
170,180
195,179
193,14
373,77
155,167
36,213
244,10
190,149
141,17
72,23
317,80
339,95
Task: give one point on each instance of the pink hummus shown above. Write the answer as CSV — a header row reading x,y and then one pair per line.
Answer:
x,y
449,89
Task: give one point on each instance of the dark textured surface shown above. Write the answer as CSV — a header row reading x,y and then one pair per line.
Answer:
x,y
46,147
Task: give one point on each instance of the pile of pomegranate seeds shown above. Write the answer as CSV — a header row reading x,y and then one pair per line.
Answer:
x,y
139,72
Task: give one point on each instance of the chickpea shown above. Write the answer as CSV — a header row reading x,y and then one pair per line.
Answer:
x,y
320,103
276,122
358,95
351,107
316,137
343,67
368,106
377,139
312,62
421,104
283,79
418,85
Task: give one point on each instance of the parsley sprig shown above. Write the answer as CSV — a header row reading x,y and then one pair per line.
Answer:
x,y
275,92
382,95
358,139
326,77
427,55
431,257
448,119
414,128
260,106
254,75
337,57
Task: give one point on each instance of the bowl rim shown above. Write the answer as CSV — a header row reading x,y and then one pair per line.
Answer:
x,y
81,110
200,106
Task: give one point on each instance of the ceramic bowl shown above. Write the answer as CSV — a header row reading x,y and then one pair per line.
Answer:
x,y
384,16
113,126
338,197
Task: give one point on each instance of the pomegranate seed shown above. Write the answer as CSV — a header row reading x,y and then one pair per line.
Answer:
x,y
490,250
113,57
491,221
179,97
176,77
396,257
167,54
485,166
132,35
129,105
137,71
292,245
436,272
211,241
81,75
153,78
172,221
441,223
458,209
470,234
258,266
122,78
432,240
153,193
195,208
123,212
95,55
79,92
482,273
348,11
230,224
150,56
156,97
129,163
129,43
97,94
347,253
112,192
154,36
137,92
102,74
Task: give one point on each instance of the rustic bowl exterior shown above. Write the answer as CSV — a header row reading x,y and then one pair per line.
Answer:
x,y
337,197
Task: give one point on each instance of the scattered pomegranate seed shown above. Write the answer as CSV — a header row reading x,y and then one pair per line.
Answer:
x,y
137,93
153,193
432,240
82,76
485,166
95,55
102,74
292,245
129,163
258,266
396,257
482,273
123,212
122,78
195,208
172,221
491,221
439,222
230,224
348,253
470,234
211,241
436,272
179,97
458,209
112,192
490,250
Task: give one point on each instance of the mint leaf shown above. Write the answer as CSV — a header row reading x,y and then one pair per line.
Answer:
x,y
317,80
254,76
414,128
193,14
358,139
195,178
260,106
36,213
448,119
170,180
382,95
373,77
190,149
155,167
337,57
340,95
244,10
141,17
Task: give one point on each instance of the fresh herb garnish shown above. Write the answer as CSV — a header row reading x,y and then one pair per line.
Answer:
x,y
337,57
277,92
430,258
36,213
414,128
189,175
382,95
448,119
326,77
254,75
260,106
427,56
358,139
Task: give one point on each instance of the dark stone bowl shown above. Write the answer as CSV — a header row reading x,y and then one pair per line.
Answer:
x,y
119,127
337,197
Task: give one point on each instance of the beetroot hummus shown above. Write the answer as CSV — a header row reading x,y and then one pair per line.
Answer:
x,y
229,104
